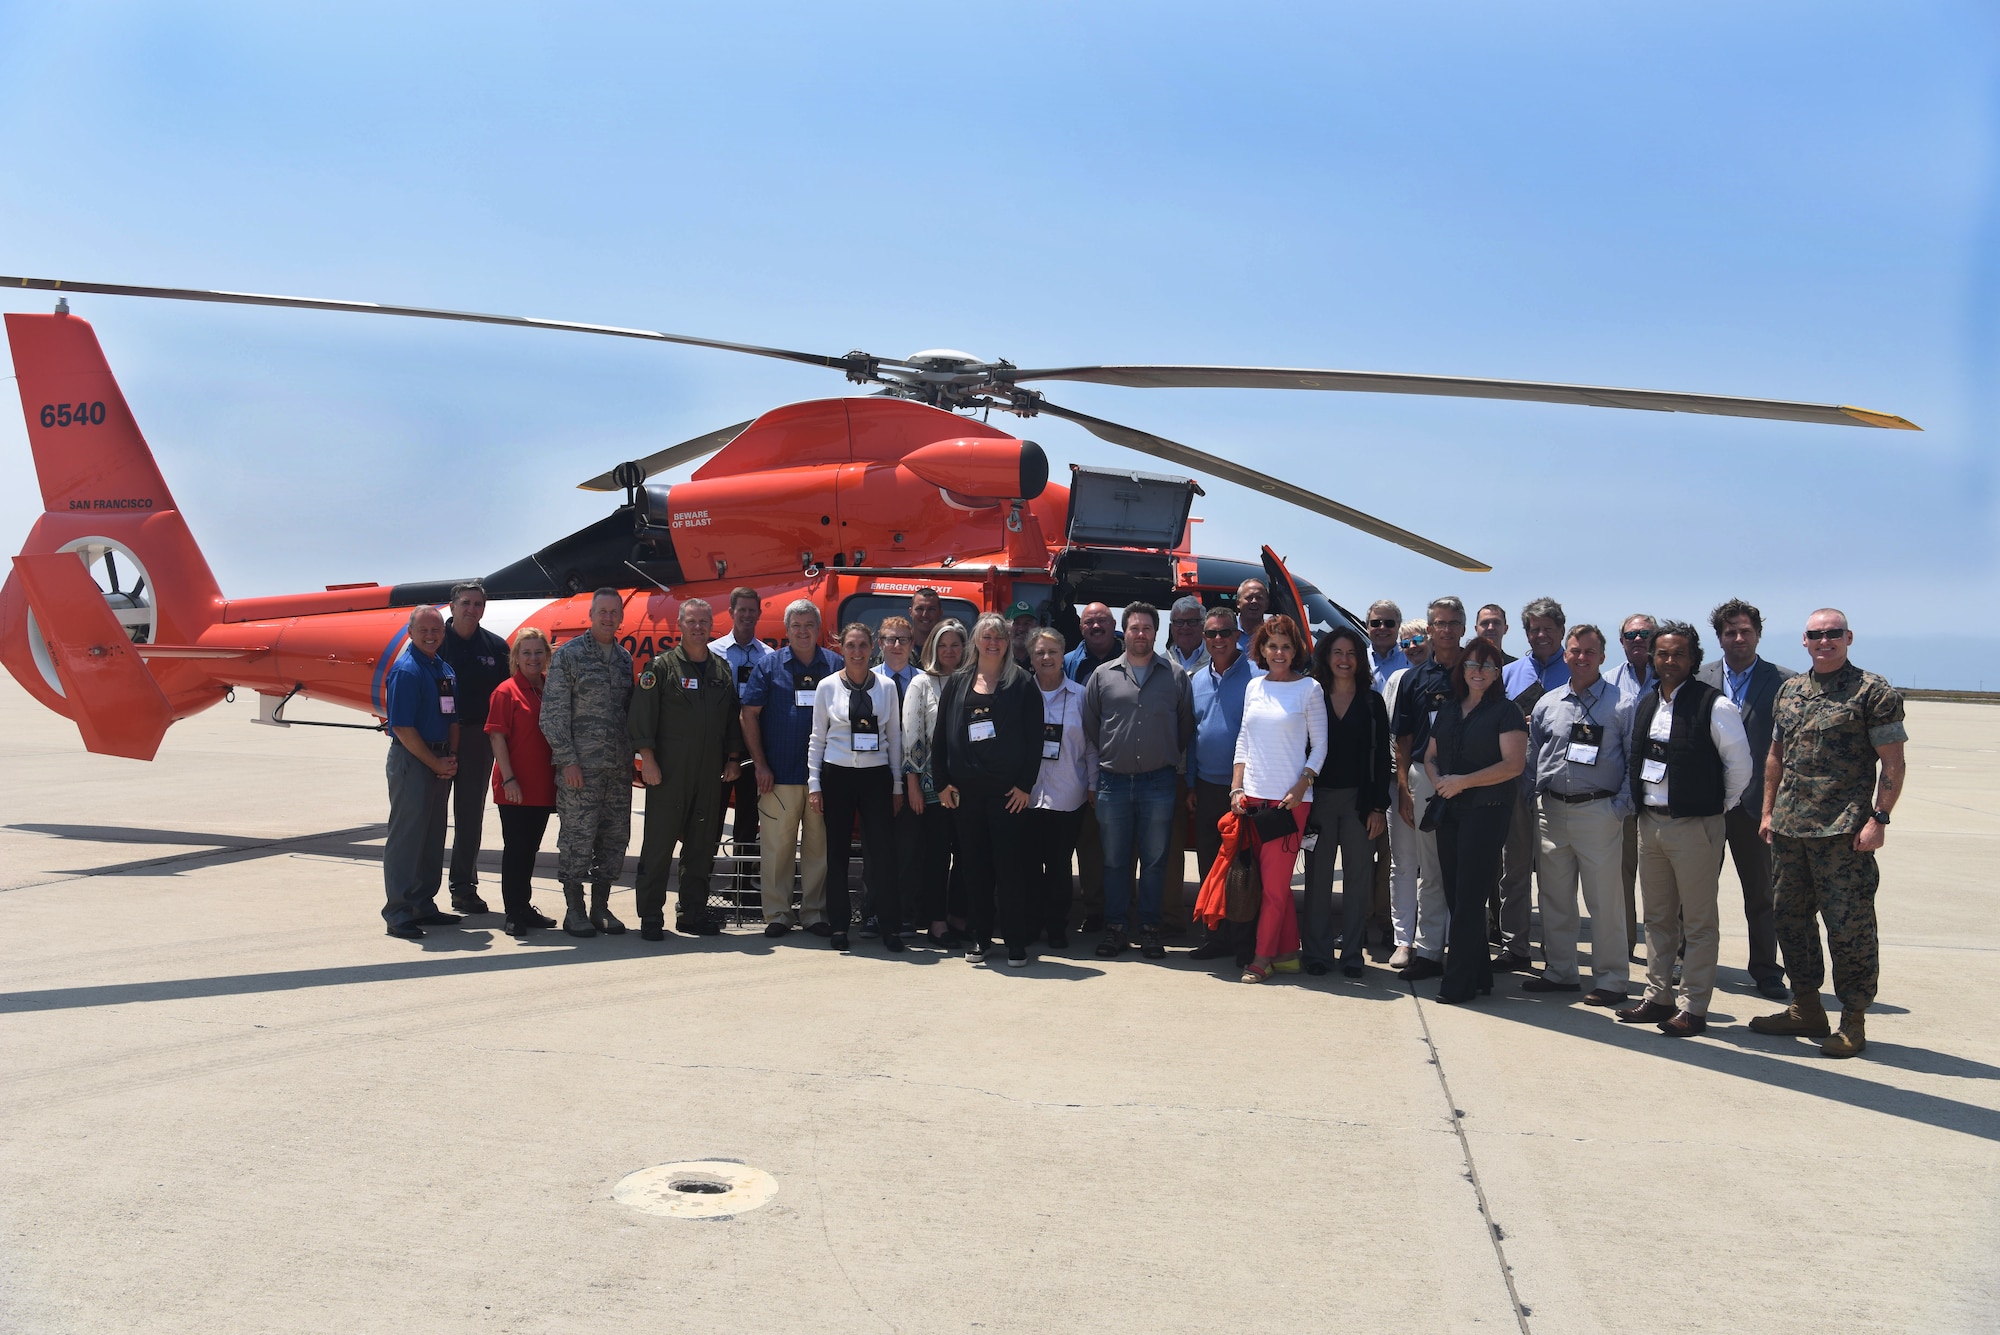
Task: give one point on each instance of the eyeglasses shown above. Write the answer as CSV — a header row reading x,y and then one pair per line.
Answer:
x,y
1479,665
1817,635
895,639
1185,621
1222,634
1413,641
1629,636
1382,623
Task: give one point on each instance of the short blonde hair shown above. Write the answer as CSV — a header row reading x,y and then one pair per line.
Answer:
x,y
521,637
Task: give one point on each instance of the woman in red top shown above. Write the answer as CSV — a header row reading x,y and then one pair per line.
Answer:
x,y
524,777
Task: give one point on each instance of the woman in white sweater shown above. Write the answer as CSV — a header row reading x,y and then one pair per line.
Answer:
x,y
1279,752
852,762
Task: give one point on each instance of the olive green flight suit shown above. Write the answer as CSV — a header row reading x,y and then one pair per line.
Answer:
x,y
687,712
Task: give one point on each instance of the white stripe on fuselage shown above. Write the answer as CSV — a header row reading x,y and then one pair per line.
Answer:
x,y
506,615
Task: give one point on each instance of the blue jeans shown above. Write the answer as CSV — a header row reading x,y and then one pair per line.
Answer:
x,y
1135,815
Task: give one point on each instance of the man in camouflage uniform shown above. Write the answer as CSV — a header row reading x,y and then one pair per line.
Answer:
x,y
1825,813
685,725
584,715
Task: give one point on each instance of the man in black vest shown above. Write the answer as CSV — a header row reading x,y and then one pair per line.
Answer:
x,y
1751,683
1689,762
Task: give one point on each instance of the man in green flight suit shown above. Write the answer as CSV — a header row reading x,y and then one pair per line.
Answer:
x,y
686,729
1825,813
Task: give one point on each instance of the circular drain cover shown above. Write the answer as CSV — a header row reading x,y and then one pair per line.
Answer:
x,y
697,1189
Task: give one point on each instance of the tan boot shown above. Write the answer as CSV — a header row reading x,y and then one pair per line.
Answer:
x,y
1852,1036
1804,1018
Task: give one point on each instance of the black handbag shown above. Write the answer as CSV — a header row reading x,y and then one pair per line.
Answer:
x,y
1273,823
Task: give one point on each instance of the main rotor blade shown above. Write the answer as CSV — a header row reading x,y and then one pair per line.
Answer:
x,y
1161,448
425,313
1468,387
672,456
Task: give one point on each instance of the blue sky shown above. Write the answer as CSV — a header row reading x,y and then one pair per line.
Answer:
x,y
1791,200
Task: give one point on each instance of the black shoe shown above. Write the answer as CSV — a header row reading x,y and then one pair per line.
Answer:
x,y
1093,923
1352,969
821,929
1217,947
1058,938
975,951
536,918
1420,967
1113,945
1544,985
1508,962
1315,968
437,919
698,927
1774,989
1017,957
776,928
871,928
1150,945
838,940
652,929
907,929
893,943
407,931
469,903
517,927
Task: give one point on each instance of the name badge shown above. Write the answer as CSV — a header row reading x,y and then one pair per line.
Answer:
x,y
980,730
1052,741
690,683
865,734
1311,841
1584,739
803,699
1652,771
447,704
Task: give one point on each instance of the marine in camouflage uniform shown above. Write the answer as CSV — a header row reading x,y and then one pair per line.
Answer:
x,y
685,713
1826,731
584,715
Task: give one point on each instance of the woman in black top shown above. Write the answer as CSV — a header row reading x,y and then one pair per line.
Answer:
x,y
1477,751
1350,802
985,756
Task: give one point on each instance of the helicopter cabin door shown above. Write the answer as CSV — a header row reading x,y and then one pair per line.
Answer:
x,y
1286,598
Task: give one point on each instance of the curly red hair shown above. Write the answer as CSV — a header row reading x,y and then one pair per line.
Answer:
x,y
1279,625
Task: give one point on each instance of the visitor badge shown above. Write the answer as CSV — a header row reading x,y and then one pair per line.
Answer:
x,y
981,730
803,699
1051,741
447,705
1584,739
1311,841
867,741
1652,771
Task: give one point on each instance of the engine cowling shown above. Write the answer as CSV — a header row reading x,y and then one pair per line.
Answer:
x,y
1001,469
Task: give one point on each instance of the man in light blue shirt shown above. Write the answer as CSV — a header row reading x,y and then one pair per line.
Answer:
x,y
1385,655
1633,678
1218,716
1577,737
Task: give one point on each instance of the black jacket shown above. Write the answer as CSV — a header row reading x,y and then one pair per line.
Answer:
x,y
1765,679
1011,758
1695,773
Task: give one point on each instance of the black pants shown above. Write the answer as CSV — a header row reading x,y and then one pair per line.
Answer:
x,y
468,808
941,874
521,831
1753,870
847,792
993,842
909,828
1469,840
1051,848
741,798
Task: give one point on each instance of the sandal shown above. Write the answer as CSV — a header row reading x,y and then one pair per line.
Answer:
x,y
1253,974
1289,964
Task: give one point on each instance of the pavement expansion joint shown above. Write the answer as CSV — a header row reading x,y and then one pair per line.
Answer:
x,y
1494,1233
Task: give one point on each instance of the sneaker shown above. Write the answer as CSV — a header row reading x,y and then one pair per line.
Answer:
x,y
1113,945
1150,945
975,951
871,927
1017,957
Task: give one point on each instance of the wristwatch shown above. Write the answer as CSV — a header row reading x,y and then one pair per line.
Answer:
x,y
1881,817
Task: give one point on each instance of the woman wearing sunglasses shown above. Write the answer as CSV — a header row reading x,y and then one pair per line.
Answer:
x,y
1478,748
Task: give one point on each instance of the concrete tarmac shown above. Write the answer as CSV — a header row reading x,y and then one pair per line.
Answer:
x,y
228,1102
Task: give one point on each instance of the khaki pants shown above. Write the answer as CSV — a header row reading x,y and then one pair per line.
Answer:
x,y
783,816
1680,860
1582,842
1425,909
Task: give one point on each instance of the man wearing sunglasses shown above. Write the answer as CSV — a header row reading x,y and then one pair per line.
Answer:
x,y
1826,811
1385,655
1632,678
1218,687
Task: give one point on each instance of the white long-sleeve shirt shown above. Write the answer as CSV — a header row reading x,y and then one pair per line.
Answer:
x,y
1063,783
1283,735
832,740
1725,729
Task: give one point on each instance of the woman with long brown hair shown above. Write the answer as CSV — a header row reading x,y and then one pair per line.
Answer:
x,y
1350,802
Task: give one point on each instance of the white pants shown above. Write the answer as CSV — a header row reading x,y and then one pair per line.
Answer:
x,y
1582,841
1416,883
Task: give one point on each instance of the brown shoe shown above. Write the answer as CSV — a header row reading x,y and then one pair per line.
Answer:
x,y
1598,996
1804,1018
1646,1012
1850,1038
1684,1025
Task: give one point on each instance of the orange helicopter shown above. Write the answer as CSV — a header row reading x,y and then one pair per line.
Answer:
x,y
112,617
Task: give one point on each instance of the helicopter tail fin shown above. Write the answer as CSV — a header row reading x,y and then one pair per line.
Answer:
x,y
138,568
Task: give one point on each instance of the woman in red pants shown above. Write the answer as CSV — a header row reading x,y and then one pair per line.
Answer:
x,y
1279,752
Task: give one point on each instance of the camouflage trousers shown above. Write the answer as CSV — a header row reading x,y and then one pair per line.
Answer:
x,y
1826,878
596,826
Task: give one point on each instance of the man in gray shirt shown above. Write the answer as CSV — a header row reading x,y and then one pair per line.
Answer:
x,y
1140,709
1576,763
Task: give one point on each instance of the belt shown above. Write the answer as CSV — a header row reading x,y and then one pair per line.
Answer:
x,y
1664,813
1575,798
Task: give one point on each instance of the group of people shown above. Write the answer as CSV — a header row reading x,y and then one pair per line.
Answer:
x,y
1444,778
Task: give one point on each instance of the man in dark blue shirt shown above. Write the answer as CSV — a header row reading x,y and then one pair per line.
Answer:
x,y
419,695
777,725
478,659
1425,689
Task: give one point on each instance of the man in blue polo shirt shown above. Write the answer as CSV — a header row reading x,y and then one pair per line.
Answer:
x,y
419,694
777,725
1218,687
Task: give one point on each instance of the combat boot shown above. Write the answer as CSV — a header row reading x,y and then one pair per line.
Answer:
x,y
600,912
1804,1018
1850,1038
576,922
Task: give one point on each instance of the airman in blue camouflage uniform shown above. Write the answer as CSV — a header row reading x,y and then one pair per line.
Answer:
x,y
584,710
1825,813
